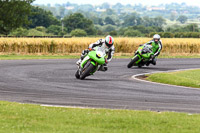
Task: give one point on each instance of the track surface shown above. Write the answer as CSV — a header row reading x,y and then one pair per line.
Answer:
x,y
53,82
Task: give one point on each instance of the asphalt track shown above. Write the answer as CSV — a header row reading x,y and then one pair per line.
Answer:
x,y
52,82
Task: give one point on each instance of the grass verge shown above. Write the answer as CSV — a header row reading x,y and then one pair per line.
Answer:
x,y
188,78
76,56
15,117
28,57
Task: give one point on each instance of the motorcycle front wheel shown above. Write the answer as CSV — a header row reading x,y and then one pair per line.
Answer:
x,y
133,62
86,71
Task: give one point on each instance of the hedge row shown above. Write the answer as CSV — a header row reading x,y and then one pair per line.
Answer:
x,y
177,34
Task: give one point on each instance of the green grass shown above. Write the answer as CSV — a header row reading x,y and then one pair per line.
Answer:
x,y
18,118
28,57
189,78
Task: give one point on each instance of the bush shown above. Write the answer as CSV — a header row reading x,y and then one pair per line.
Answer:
x,y
167,35
41,28
19,32
34,32
78,33
132,33
108,28
56,30
113,33
195,34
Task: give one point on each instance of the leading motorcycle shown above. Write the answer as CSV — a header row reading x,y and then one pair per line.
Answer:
x,y
90,64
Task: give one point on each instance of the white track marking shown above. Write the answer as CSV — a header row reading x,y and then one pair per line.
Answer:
x,y
58,106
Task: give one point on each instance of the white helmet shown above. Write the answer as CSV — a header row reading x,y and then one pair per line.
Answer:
x,y
109,41
156,38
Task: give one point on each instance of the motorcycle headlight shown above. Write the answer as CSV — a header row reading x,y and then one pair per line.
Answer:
x,y
98,55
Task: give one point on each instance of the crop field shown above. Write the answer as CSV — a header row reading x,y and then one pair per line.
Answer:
x,y
45,46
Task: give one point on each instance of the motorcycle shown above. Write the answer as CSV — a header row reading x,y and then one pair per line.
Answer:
x,y
142,56
91,63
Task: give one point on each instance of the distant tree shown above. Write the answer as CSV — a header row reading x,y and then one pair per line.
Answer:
x,y
78,21
159,21
118,6
131,20
110,12
105,5
108,28
140,28
149,30
56,30
19,32
40,17
100,21
113,33
78,33
182,19
172,16
13,14
34,32
132,33
192,28
61,11
41,28
109,20
147,21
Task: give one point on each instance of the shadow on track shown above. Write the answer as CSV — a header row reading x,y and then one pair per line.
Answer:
x,y
95,79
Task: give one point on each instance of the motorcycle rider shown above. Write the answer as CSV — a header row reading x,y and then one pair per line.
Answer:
x,y
156,44
107,45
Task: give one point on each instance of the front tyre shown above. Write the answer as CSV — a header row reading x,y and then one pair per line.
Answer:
x,y
77,75
87,71
133,61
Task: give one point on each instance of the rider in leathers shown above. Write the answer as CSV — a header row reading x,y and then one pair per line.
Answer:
x,y
156,44
107,45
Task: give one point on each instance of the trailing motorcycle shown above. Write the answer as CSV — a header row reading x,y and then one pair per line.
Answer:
x,y
91,63
142,56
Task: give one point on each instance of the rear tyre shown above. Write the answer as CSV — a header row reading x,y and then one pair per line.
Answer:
x,y
133,62
77,74
87,71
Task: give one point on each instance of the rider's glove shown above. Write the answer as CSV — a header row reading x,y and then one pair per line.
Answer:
x,y
106,61
90,49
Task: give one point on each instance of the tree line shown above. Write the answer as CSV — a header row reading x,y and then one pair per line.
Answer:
x,y
20,18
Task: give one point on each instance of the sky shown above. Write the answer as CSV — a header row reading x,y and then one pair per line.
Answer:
x,y
132,2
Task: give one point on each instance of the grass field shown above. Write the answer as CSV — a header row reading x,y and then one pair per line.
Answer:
x,y
45,46
19,118
189,78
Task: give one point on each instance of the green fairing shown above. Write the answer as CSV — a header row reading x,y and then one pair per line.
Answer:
x,y
84,61
144,57
94,60
93,56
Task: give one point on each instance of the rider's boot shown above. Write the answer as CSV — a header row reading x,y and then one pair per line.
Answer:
x,y
154,61
84,53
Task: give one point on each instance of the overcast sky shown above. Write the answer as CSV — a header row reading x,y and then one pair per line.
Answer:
x,y
132,2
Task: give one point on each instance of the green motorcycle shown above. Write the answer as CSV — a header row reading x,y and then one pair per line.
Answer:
x,y
142,56
91,63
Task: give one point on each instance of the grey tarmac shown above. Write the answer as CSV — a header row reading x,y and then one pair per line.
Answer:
x,y
52,82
